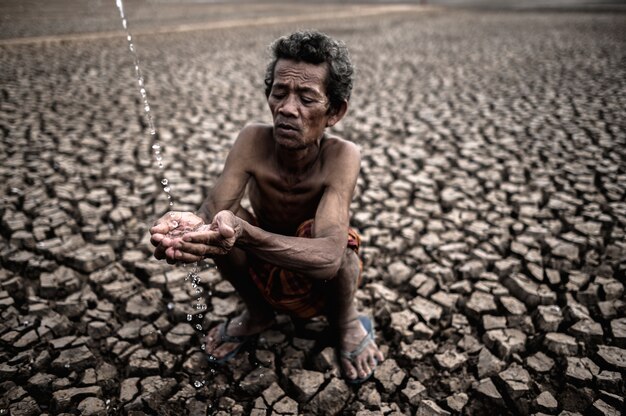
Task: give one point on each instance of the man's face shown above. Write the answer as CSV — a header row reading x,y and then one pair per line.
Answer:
x,y
299,103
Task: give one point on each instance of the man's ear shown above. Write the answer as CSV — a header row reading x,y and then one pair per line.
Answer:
x,y
337,114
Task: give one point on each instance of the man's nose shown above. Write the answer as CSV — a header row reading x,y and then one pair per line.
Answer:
x,y
289,106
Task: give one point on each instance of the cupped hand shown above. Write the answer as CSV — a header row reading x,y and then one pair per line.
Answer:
x,y
168,230
215,239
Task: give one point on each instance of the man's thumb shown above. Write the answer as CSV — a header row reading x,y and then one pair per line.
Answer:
x,y
225,230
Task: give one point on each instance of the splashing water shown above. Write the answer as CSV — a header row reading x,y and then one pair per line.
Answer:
x,y
156,147
158,157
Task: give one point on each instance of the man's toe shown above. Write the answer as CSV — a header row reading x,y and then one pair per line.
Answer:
x,y
365,371
373,361
349,370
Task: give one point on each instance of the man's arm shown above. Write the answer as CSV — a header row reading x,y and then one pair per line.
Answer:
x,y
229,188
225,195
318,257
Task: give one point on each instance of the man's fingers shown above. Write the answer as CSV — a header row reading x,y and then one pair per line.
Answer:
x,y
155,240
203,237
201,249
160,228
183,257
170,241
196,249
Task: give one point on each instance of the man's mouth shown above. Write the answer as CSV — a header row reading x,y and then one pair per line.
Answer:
x,y
286,126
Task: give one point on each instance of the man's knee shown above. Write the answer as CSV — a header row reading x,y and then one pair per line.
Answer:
x,y
350,263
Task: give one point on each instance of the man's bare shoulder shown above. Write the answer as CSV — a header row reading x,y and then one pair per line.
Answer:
x,y
338,150
253,141
255,133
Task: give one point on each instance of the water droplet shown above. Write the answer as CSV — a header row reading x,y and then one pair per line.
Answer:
x,y
203,347
66,366
174,224
170,306
152,131
130,38
189,317
124,23
197,384
160,165
147,108
158,158
171,204
167,189
140,82
199,327
164,181
156,146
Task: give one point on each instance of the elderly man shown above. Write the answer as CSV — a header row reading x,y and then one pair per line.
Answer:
x,y
296,254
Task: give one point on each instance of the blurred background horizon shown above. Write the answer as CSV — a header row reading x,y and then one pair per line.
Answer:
x,y
34,18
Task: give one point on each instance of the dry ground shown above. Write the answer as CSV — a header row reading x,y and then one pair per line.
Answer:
x,y
491,204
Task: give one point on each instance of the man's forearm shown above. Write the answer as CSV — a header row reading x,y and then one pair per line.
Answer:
x,y
318,258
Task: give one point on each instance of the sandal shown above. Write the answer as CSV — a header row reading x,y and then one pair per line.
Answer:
x,y
351,355
225,338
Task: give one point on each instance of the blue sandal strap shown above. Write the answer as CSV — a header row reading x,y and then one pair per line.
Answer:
x,y
369,337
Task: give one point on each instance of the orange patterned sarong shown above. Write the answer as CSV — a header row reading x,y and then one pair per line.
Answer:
x,y
290,292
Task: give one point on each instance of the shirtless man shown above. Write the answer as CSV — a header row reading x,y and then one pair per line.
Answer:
x,y
294,172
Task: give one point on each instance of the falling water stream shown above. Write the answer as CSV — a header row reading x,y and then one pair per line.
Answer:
x,y
193,274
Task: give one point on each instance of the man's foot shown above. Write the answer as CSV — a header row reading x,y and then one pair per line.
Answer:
x,y
359,353
225,340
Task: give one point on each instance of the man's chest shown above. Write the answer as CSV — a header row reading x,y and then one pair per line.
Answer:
x,y
281,204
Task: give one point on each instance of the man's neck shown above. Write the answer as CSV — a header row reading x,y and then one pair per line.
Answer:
x,y
297,162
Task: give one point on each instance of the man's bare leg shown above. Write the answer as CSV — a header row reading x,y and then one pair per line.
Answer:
x,y
342,315
258,314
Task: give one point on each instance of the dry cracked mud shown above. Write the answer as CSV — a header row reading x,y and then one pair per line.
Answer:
x,y
491,203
